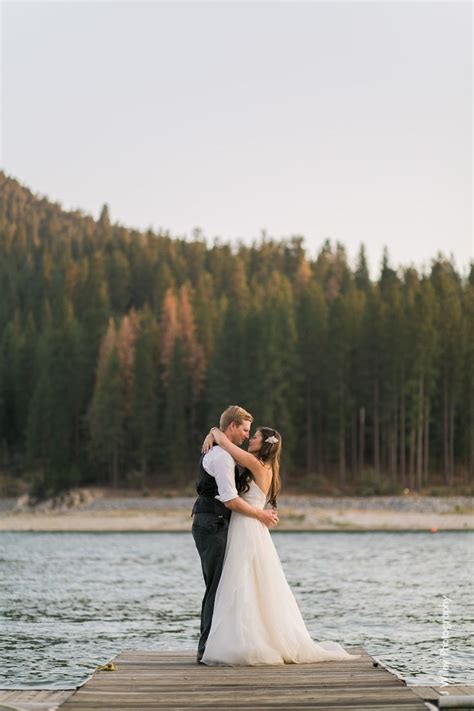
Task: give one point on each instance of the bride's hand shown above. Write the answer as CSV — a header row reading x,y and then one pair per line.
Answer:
x,y
217,434
207,444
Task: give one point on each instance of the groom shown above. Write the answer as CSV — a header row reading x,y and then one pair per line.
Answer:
x,y
217,498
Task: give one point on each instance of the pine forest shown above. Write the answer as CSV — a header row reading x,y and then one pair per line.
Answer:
x,y
119,348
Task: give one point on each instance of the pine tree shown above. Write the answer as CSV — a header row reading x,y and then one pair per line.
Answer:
x,y
468,370
10,354
194,360
446,283
312,343
424,345
339,378
275,401
54,409
361,275
107,419
174,436
228,363
119,281
145,420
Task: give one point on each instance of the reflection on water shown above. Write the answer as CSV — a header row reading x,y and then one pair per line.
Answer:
x,y
71,601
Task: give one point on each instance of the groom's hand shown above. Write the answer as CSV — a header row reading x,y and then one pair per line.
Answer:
x,y
269,517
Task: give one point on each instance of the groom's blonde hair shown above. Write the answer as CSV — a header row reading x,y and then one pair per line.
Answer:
x,y
234,413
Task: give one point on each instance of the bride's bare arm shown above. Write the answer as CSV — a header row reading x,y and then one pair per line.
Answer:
x,y
240,455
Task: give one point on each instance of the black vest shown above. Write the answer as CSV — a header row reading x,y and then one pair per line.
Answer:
x,y
206,487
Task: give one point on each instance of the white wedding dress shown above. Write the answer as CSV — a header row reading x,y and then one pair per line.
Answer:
x,y
256,619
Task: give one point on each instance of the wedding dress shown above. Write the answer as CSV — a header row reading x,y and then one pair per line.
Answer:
x,y
256,619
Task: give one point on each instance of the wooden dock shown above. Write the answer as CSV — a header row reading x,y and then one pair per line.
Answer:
x,y
172,680
33,699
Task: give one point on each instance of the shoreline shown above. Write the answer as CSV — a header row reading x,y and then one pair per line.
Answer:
x,y
297,514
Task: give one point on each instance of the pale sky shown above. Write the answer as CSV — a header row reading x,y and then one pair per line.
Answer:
x,y
343,120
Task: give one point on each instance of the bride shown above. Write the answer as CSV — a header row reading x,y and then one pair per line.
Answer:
x,y
256,619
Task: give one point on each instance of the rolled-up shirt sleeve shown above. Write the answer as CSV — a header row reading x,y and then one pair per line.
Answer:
x,y
219,464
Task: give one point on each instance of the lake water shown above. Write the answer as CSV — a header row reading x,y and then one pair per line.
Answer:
x,y
71,601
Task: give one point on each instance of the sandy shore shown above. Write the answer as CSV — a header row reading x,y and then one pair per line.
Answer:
x,y
296,514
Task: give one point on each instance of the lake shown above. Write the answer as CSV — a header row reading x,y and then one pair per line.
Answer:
x,y
71,601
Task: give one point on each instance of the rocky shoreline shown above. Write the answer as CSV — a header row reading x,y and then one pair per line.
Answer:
x,y
95,510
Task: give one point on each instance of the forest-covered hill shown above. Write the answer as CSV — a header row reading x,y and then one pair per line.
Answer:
x,y
118,348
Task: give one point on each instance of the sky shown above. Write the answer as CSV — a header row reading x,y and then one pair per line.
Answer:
x,y
348,121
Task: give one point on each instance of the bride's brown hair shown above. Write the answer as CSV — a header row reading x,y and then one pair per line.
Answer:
x,y
269,453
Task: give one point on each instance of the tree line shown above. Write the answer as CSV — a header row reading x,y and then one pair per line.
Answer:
x,y
118,348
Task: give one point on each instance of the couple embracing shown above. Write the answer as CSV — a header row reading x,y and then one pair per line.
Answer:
x,y
249,614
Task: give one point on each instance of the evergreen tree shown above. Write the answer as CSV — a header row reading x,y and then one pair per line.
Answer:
x,y
107,418
339,378
228,363
57,397
145,420
467,407
276,362
312,344
361,275
175,435
446,283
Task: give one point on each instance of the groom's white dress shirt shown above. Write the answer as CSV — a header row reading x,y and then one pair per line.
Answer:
x,y
219,464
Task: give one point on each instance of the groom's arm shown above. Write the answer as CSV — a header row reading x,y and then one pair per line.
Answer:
x,y
267,516
221,467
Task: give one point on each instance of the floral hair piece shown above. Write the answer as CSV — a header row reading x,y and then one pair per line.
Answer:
x,y
272,439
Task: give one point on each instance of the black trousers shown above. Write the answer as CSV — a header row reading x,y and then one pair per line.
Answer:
x,y
210,536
